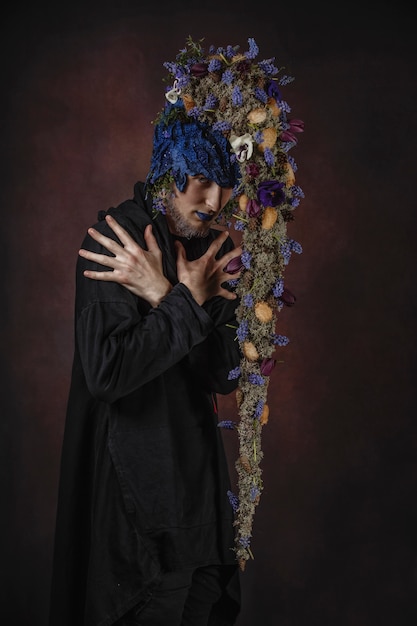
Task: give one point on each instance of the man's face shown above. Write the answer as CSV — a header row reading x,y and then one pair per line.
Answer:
x,y
192,212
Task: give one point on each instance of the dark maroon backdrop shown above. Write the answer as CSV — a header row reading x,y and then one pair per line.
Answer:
x,y
335,534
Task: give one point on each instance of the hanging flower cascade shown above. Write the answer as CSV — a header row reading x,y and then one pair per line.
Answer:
x,y
242,98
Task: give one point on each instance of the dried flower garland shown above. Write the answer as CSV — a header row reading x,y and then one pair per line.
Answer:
x,y
241,98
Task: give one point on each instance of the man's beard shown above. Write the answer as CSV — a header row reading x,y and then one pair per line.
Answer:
x,y
181,225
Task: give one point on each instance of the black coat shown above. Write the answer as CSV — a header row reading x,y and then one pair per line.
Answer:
x,y
143,485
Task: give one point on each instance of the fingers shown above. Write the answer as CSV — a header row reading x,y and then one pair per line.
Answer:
x,y
150,240
118,230
104,276
217,244
101,259
106,242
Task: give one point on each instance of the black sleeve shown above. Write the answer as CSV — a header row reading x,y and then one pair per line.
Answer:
x,y
123,342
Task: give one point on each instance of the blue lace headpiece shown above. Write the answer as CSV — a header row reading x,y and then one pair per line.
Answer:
x,y
191,147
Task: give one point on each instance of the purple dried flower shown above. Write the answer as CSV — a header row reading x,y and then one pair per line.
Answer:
x,y
287,297
252,170
271,193
234,266
272,90
288,136
267,366
253,209
199,69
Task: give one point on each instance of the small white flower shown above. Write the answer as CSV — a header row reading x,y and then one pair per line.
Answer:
x,y
173,94
242,146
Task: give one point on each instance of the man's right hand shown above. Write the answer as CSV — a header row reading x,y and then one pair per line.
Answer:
x,y
139,270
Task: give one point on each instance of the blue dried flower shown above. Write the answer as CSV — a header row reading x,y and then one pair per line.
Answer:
x,y
295,246
259,408
280,340
234,373
214,65
278,288
267,66
242,331
244,541
233,499
286,80
248,300
237,97
253,49
228,424
246,258
227,77
211,102
269,157
239,225
261,95
222,127
254,493
256,379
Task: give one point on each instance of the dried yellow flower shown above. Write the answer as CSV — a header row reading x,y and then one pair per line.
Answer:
x,y
269,217
265,415
250,351
256,116
242,564
290,176
188,101
239,397
263,312
243,201
269,138
272,104
244,461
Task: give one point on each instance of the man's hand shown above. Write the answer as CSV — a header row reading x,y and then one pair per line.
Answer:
x,y
204,276
140,271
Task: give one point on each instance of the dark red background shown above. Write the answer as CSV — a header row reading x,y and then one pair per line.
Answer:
x,y
335,534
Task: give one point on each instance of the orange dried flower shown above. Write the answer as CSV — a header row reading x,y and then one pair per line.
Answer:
x,y
269,217
263,312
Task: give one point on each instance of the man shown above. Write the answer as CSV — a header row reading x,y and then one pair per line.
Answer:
x,y
144,527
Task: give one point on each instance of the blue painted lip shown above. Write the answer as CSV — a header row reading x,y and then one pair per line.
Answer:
x,y
204,217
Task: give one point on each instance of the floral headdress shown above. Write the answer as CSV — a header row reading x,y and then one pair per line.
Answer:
x,y
241,98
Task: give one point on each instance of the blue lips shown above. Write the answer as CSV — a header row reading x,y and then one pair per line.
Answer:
x,y
204,217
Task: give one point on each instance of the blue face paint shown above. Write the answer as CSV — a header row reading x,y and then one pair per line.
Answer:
x,y
204,217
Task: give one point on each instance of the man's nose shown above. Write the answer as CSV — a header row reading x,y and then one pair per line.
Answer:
x,y
213,199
